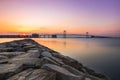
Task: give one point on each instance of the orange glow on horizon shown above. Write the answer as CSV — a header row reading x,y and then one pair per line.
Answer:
x,y
7,27
23,34
11,28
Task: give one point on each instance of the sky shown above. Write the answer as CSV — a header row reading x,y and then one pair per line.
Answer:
x,y
98,17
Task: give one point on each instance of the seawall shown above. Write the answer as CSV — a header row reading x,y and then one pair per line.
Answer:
x,y
28,60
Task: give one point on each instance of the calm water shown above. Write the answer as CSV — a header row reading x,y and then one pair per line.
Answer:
x,y
102,55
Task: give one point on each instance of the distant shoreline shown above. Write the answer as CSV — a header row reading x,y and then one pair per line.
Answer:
x,y
57,36
66,37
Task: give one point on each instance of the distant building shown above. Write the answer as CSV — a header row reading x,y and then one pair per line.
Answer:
x,y
92,36
35,35
54,36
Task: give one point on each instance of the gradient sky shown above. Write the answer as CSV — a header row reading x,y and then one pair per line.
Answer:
x,y
53,16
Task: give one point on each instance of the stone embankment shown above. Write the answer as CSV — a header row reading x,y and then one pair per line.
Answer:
x,y
28,60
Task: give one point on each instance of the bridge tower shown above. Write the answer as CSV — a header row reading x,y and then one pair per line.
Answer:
x,y
64,34
87,35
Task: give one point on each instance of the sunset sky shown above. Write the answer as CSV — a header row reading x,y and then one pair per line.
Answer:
x,y
99,17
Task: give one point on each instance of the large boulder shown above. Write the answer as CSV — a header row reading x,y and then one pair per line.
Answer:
x,y
68,61
30,54
73,63
33,50
14,44
11,54
6,70
8,49
4,61
47,60
62,73
2,45
73,70
46,54
3,57
27,62
37,74
49,55
59,61
58,55
28,46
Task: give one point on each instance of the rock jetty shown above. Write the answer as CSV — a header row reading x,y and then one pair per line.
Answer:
x,y
28,60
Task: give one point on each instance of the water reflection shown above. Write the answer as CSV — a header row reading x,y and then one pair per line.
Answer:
x,y
103,55
65,43
9,39
99,54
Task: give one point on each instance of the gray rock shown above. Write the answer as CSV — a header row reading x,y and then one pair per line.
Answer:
x,y
27,62
28,44
3,57
11,54
62,73
55,54
6,70
2,45
58,55
8,49
30,50
57,60
73,70
38,74
88,79
95,76
30,55
47,60
69,59
46,54
4,61
13,44
71,62
26,48
34,50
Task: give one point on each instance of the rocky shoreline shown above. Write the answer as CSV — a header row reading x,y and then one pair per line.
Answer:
x,y
28,60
